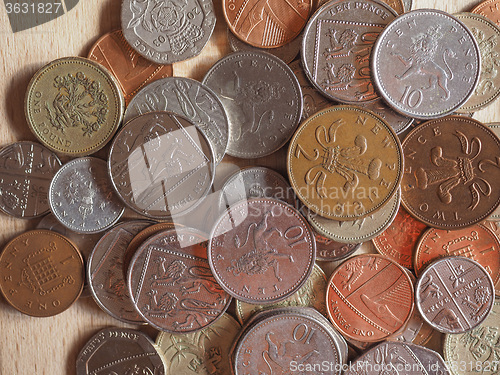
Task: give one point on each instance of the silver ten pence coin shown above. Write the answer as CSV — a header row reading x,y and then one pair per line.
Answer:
x,y
161,165
81,196
189,98
262,98
426,64
167,31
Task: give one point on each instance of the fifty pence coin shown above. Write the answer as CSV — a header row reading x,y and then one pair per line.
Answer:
x,y
450,172
81,196
119,351
105,271
337,45
161,165
188,98
167,32
42,273
131,70
171,284
26,169
426,64
261,251
74,106
454,294
262,98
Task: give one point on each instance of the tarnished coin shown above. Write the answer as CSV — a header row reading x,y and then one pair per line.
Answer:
x,y
42,273
487,35
105,271
261,251
337,45
171,284
476,242
264,23
328,250
286,52
311,294
188,98
81,196
161,165
262,98
369,298
489,9
282,341
167,31
450,172
454,294
477,349
313,100
74,106
119,351
396,121
344,163
426,64
256,182
398,358
495,128
26,169
399,241
205,352
360,230
131,70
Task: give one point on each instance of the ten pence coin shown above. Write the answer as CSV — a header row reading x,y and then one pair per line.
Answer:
x,y
42,273
451,172
74,106
345,163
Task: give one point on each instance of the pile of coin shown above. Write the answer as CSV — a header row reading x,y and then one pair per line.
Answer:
x,y
193,242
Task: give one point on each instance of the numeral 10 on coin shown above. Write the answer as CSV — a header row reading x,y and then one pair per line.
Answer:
x,y
411,98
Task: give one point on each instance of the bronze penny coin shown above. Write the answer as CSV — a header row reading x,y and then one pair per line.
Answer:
x,y
400,239
369,298
131,70
116,351
450,172
454,294
171,284
328,250
42,273
261,251
266,23
495,128
344,163
397,5
489,9
476,242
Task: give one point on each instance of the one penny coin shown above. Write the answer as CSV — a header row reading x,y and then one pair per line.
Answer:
x,y
495,128
454,294
369,298
489,9
451,172
42,273
344,163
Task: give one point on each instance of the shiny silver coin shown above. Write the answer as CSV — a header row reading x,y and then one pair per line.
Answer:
x,y
106,273
168,31
81,196
26,169
262,98
256,182
188,98
287,53
426,64
454,294
337,45
161,165
396,121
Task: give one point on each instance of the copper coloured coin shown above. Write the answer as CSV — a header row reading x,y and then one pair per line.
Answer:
x,y
261,251
42,273
399,240
267,23
171,284
476,242
328,250
131,70
454,294
451,172
489,9
369,298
